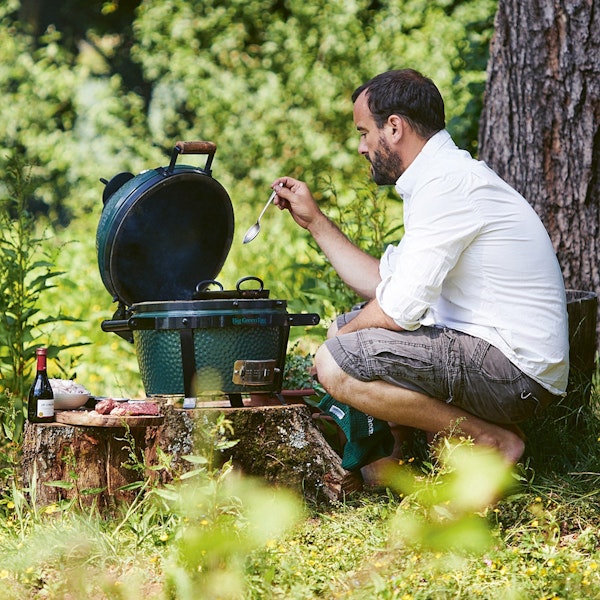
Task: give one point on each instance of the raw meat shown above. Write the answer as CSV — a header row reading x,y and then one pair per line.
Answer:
x,y
105,406
127,409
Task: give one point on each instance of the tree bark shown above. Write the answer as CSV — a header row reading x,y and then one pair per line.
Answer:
x,y
540,127
85,464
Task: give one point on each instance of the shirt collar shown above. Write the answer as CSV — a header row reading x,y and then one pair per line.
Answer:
x,y
407,181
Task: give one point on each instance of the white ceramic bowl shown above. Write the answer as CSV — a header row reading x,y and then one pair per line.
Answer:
x,y
68,395
65,401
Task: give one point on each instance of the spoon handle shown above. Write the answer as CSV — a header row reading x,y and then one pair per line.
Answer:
x,y
271,198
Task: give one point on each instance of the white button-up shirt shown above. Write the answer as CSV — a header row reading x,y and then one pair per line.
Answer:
x,y
475,257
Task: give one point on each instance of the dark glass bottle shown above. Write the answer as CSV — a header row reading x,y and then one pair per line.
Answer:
x,y
40,407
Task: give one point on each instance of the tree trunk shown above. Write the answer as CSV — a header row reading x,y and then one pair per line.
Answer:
x,y
540,127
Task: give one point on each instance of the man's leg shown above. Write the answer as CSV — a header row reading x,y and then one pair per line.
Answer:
x,y
414,409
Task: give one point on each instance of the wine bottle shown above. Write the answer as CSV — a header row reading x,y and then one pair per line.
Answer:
x,y
40,407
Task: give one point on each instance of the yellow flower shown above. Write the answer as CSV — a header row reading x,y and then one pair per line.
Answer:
x,y
574,566
4,574
164,537
10,505
51,508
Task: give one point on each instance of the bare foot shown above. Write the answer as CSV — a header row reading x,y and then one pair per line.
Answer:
x,y
507,442
379,471
352,482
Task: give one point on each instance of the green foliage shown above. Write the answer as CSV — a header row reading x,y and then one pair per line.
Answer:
x,y
440,512
297,373
26,274
564,439
370,221
212,534
197,530
100,88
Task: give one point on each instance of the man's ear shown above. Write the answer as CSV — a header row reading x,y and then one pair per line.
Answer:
x,y
397,125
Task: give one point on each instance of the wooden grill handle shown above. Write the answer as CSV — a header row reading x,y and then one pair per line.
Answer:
x,y
196,147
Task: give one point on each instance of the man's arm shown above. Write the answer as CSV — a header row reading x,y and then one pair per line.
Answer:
x,y
358,269
370,316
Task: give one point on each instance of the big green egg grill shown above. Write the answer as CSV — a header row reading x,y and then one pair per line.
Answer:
x,y
162,238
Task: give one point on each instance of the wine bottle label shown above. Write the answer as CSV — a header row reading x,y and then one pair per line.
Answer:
x,y
45,408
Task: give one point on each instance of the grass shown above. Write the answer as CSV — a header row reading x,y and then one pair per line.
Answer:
x,y
432,533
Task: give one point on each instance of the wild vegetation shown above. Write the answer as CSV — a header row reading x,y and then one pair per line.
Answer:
x,y
92,90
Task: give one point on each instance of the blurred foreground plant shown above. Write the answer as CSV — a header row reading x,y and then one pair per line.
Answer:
x,y
444,508
189,539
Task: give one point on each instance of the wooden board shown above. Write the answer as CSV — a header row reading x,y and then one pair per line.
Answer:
x,y
89,418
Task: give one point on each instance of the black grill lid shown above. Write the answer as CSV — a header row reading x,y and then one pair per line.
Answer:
x,y
162,232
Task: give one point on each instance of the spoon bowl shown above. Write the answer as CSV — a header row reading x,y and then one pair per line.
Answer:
x,y
252,233
255,229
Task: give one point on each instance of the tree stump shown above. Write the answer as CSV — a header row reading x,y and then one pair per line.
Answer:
x,y
84,463
280,444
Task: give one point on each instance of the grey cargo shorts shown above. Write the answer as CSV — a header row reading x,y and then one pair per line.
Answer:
x,y
442,363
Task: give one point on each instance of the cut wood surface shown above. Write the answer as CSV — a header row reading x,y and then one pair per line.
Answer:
x,y
90,418
279,444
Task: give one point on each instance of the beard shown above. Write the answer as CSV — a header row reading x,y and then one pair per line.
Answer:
x,y
386,167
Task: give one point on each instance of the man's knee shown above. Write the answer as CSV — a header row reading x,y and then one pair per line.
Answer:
x,y
333,330
328,371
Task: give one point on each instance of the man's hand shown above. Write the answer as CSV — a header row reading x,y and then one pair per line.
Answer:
x,y
297,198
370,316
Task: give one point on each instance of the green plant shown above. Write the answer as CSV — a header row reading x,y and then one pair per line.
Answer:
x,y
299,364
26,273
371,219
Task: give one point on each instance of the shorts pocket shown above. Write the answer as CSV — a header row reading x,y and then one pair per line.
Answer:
x,y
400,360
492,364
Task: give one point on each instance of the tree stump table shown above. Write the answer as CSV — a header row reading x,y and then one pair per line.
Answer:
x,y
93,464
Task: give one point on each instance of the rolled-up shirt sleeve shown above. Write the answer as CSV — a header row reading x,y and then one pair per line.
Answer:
x,y
438,229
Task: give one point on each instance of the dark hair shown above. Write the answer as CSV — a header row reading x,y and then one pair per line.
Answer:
x,y
408,94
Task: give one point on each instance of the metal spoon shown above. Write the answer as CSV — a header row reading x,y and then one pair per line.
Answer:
x,y
255,229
